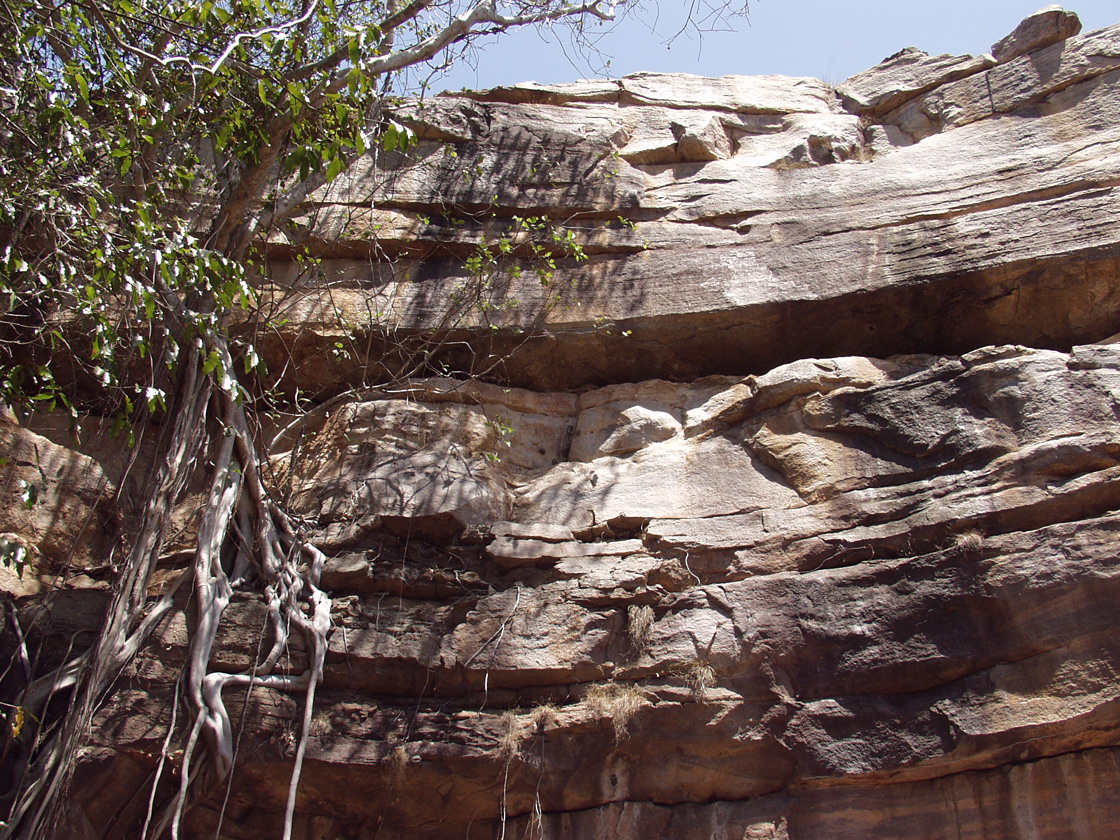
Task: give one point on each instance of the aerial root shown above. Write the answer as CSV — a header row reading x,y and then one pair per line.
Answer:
x,y
239,505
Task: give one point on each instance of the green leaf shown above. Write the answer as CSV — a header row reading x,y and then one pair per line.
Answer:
x,y
83,86
14,555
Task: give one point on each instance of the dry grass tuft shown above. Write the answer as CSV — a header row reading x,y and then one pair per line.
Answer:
x,y
320,725
696,674
970,541
699,676
543,716
514,732
397,762
639,621
618,702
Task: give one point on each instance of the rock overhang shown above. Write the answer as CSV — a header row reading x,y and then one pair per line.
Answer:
x,y
731,225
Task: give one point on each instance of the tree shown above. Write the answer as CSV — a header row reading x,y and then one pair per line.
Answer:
x,y
147,148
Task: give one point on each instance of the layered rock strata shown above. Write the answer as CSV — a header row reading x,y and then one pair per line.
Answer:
x,y
931,204
791,512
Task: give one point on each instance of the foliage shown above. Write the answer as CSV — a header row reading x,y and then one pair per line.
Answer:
x,y
136,152
147,146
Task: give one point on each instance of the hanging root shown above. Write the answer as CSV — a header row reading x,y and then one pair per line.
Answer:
x,y
128,621
240,522
267,544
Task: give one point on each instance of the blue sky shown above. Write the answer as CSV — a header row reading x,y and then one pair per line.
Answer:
x,y
828,39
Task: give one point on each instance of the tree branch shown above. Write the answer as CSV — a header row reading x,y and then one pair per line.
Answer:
x,y
485,12
213,68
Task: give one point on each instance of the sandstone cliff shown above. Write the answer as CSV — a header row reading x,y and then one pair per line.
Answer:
x,y
789,512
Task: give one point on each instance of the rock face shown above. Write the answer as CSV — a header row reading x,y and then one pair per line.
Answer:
x,y
789,512
931,204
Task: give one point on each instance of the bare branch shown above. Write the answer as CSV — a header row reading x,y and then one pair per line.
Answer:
x,y
278,30
484,13
388,31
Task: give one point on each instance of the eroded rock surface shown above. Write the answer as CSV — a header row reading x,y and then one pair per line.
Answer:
x,y
849,597
792,513
930,204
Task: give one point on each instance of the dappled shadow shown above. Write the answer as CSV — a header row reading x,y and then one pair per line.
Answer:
x,y
421,467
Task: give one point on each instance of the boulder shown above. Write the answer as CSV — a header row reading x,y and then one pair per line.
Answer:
x,y
55,511
1045,27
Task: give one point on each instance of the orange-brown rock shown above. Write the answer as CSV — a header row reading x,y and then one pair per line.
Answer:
x,y
802,524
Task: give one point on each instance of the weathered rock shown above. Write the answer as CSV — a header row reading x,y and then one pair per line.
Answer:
x,y
54,504
513,553
702,143
742,94
1051,80
802,523
801,223
1045,27
903,76
615,429
926,594
532,531
427,467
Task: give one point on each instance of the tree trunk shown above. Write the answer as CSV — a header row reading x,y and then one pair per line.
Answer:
x,y
284,568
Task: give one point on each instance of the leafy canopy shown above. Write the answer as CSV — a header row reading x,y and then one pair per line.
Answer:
x,y
144,147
